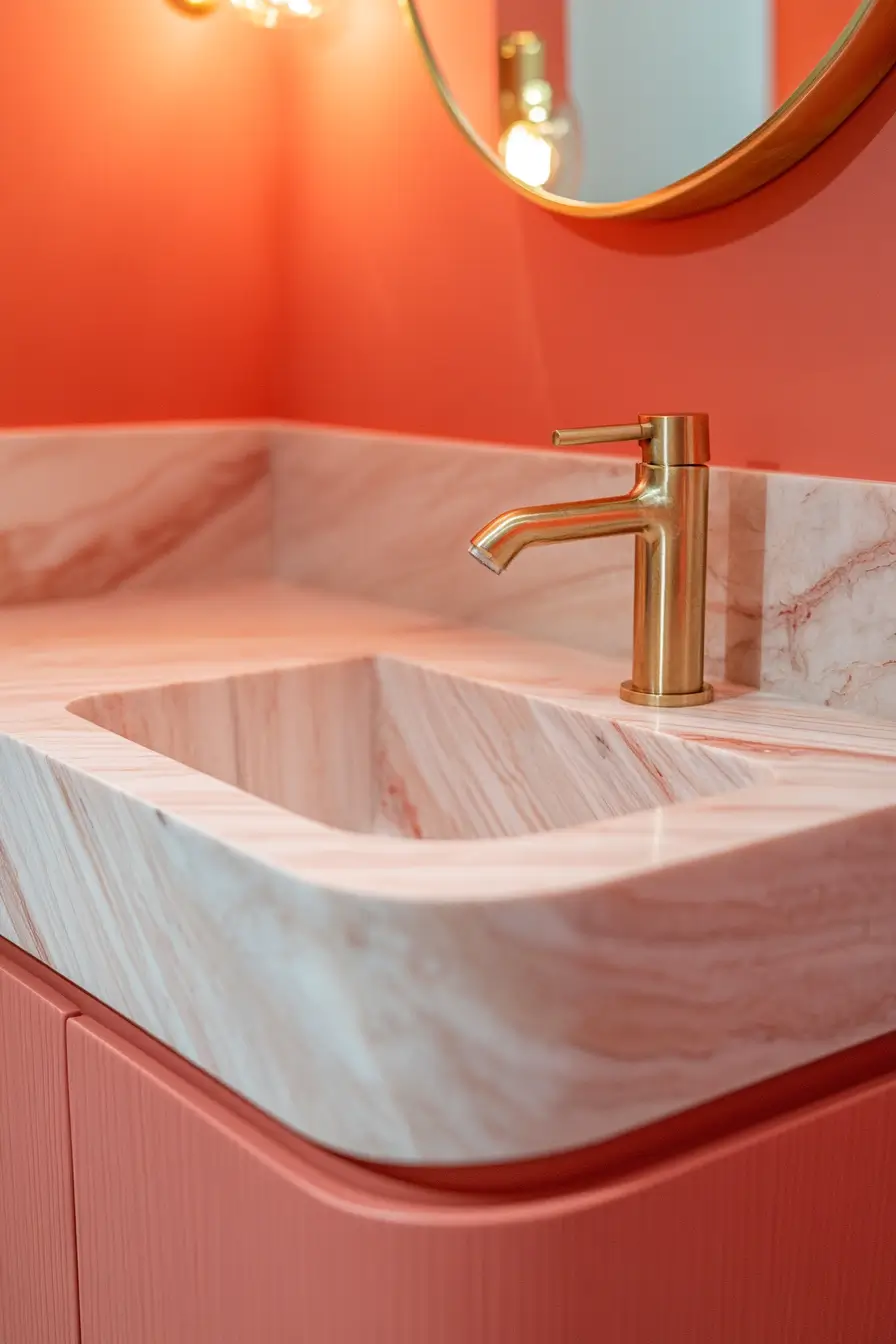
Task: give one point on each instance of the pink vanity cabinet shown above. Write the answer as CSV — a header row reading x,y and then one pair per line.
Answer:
x,y
196,1228
38,1283
201,1222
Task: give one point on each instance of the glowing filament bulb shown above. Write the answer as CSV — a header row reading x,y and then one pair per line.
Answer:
x,y
528,155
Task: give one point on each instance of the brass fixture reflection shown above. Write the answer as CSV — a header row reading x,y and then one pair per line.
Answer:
x,y
667,513
537,139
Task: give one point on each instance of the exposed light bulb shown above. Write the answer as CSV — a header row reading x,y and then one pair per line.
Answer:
x,y
528,155
268,13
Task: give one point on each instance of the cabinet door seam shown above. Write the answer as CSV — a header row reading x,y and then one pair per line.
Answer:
x,y
73,1017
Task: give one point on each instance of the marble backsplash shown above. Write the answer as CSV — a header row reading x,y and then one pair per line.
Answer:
x,y
802,570
84,512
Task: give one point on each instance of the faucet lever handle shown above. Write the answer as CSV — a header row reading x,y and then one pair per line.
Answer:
x,y
666,440
576,438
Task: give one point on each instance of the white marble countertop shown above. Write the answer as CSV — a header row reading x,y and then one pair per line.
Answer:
x,y
424,1001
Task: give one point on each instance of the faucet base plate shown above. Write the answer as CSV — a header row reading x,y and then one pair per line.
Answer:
x,y
678,700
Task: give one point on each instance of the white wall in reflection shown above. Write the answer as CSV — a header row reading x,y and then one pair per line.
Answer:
x,y
663,87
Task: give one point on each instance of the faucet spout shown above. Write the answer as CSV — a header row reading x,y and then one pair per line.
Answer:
x,y
501,540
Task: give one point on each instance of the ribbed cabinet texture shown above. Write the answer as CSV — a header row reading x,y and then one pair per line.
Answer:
x,y
38,1281
193,1228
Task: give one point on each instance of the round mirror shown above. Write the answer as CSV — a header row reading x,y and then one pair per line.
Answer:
x,y
651,107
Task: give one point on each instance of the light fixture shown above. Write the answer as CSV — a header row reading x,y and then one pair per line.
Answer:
x,y
269,13
539,143
195,9
263,13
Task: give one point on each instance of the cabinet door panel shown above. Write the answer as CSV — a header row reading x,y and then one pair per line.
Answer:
x,y
195,1229
38,1281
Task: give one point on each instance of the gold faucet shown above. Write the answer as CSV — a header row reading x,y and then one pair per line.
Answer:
x,y
667,513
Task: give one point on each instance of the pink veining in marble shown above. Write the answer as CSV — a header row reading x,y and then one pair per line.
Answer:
x,y
94,510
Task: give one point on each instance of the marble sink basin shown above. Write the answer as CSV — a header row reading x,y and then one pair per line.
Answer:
x,y
226,815
385,746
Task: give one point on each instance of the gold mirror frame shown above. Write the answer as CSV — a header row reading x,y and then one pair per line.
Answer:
x,y
863,54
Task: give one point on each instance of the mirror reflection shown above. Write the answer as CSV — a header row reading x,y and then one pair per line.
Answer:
x,y
610,100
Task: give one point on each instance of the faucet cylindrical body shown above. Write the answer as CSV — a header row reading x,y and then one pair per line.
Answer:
x,y
670,588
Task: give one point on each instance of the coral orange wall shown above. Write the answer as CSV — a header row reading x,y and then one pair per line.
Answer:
x,y
805,30
427,297
464,34
157,262
138,180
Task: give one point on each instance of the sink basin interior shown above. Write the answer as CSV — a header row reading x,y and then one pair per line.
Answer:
x,y
382,746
